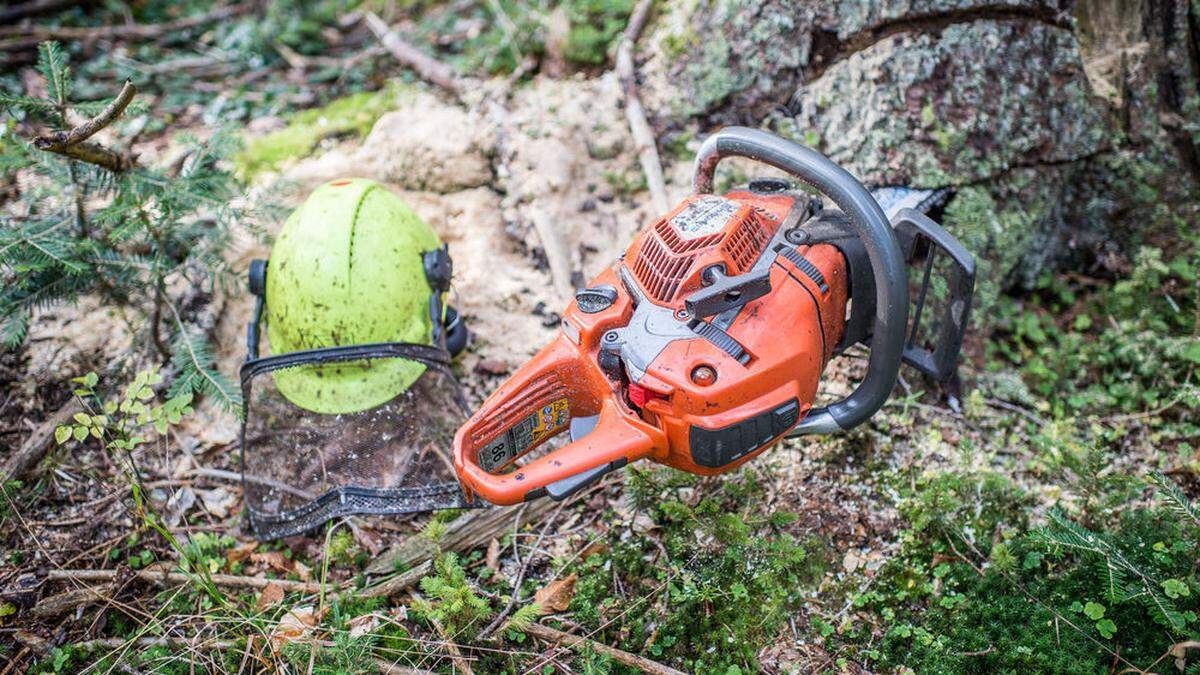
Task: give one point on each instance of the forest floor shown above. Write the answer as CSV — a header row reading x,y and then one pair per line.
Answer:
x,y
943,535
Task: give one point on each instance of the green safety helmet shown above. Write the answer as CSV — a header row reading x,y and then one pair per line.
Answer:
x,y
354,265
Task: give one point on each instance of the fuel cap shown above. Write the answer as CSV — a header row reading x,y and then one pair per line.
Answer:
x,y
596,298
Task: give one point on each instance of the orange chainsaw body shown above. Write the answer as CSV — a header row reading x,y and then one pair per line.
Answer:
x,y
640,375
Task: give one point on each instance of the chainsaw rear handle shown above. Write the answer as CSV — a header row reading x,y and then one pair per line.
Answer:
x,y
870,224
558,376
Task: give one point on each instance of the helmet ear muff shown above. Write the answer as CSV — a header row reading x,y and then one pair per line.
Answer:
x,y
439,268
457,334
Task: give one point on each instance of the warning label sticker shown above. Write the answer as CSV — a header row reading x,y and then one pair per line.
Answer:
x,y
547,421
703,217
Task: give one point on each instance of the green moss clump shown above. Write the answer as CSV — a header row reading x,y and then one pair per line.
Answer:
x,y
974,589
595,25
728,577
353,115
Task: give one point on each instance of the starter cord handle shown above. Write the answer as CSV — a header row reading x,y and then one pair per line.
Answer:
x,y
869,224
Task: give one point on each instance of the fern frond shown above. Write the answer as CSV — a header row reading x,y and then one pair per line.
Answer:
x,y
196,371
1176,500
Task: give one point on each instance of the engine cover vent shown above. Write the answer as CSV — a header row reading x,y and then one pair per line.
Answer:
x,y
717,229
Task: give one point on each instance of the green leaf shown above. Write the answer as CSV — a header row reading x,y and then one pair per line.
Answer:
x,y
1107,628
79,433
1093,610
62,434
1192,352
91,379
82,418
1175,588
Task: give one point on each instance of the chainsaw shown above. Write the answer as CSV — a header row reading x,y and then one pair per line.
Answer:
x,y
704,343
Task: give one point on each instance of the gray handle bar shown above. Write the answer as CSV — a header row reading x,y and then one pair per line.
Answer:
x,y
870,224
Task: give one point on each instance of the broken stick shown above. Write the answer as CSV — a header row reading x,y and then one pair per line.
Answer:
x,y
639,128
39,443
427,67
73,142
578,643
308,587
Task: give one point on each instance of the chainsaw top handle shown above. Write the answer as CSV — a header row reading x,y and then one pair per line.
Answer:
x,y
870,224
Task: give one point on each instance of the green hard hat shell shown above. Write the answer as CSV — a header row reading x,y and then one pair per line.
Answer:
x,y
347,269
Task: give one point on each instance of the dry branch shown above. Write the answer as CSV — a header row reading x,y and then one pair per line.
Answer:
x,y
39,443
577,643
57,605
473,528
24,10
154,577
427,68
639,128
399,583
73,142
89,128
131,31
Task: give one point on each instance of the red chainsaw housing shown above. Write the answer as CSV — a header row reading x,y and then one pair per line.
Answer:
x,y
668,406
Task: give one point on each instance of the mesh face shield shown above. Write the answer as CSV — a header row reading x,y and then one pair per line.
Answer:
x,y
301,468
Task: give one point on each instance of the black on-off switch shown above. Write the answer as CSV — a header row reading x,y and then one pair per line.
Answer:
x,y
785,416
595,299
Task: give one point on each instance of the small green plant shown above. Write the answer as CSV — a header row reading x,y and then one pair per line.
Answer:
x,y
451,601
98,222
120,423
120,426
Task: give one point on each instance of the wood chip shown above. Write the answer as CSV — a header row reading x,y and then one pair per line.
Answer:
x,y
493,554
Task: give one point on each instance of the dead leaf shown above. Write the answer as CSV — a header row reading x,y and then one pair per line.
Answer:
x,y
493,555
361,625
492,367
643,524
220,501
181,501
851,561
597,546
368,540
303,571
556,595
240,552
272,594
294,625
272,559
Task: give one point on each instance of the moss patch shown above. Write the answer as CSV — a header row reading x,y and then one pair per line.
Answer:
x,y
352,115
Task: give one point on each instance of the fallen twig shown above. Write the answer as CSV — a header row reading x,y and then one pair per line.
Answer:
x,y
73,142
89,128
15,13
639,128
512,600
578,644
124,31
39,442
473,528
426,67
400,582
154,577
456,654
57,605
